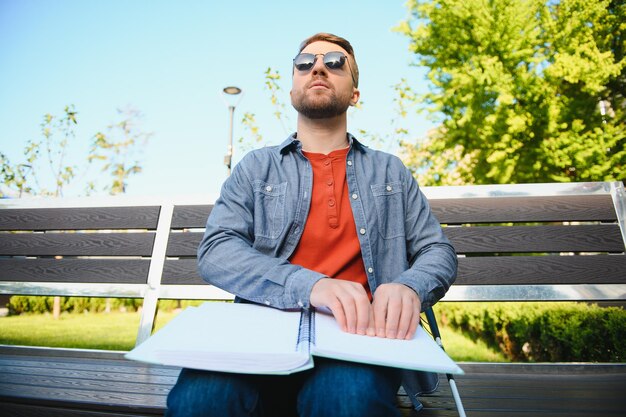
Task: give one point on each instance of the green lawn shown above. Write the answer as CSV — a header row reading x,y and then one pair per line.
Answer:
x,y
117,331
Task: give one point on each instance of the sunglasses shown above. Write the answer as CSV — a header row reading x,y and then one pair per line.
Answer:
x,y
332,60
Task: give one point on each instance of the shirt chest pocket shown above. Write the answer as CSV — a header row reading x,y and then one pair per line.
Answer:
x,y
389,203
269,208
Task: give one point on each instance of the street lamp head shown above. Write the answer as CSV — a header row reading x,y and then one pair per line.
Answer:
x,y
232,90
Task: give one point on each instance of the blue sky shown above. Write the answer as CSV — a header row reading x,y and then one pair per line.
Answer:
x,y
170,60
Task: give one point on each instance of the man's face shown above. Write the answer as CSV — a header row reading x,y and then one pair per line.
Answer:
x,y
322,93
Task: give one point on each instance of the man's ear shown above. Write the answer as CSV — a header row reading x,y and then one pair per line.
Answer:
x,y
356,94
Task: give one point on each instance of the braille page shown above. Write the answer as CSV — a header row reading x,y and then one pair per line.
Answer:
x,y
420,353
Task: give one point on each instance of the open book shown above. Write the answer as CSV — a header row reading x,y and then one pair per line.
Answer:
x,y
254,339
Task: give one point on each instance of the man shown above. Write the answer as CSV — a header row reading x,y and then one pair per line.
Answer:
x,y
321,221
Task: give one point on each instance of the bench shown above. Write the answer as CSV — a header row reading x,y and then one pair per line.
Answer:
x,y
515,243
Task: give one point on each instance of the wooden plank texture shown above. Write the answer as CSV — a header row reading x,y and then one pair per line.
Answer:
x,y
119,386
27,409
488,270
119,271
191,216
524,209
183,244
181,271
501,239
79,218
529,270
77,244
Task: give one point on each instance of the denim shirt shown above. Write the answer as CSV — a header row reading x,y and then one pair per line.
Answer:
x,y
259,218
257,222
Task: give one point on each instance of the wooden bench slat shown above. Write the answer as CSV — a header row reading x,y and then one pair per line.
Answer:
x,y
183,244
98,398
577,238
191,216
77,244
127,271
181,271
524,209
27,409
83,218
487,389
529,270
88,382
488,239
488,270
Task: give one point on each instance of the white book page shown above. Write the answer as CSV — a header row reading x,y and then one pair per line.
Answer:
x,y
420,353
228,337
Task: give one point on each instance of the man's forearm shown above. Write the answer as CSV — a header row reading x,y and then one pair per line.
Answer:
x,y
234,266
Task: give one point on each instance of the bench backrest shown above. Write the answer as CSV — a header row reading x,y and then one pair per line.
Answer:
x,y
515,242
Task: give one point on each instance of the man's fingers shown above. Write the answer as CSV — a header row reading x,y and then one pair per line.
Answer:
x,y
371,327
380,316
406,317
348,301
394,312
339,314
415,321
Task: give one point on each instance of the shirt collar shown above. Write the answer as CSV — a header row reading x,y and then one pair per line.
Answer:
x,y
292,143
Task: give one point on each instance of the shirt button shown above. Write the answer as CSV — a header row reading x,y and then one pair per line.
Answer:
x,y
354,196
370,269
331,202
389,188
349,163
267,302
329,182
268,188
300,304
362,231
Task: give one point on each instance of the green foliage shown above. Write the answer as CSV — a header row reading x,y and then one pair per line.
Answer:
x,y
19,304
253,138
526,91
45,170
115,150
543,332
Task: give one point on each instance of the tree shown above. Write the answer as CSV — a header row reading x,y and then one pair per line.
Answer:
x,y
111,152
525,90
48,169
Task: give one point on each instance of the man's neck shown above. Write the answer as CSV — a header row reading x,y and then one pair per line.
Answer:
x,y
323,135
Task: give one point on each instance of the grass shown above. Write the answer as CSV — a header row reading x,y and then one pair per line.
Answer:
x,y
117,331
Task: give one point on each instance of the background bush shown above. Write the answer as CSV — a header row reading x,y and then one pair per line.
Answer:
x,y
542,332
19,304
40,304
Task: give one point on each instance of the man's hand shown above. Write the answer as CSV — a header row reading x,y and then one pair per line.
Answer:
x,y
396,312
348,302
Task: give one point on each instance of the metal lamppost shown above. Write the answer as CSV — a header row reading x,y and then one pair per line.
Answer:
x,y
231,93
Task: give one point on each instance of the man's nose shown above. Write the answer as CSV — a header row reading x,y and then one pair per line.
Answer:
x,y
318,66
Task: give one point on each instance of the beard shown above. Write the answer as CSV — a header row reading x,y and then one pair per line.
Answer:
x,y
314,106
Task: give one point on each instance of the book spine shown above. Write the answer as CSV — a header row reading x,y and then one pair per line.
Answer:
x,y
306,333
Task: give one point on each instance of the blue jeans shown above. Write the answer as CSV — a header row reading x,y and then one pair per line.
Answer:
x,y
331,388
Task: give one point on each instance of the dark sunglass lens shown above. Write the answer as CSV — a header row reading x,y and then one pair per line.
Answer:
x,y
304,62
334,60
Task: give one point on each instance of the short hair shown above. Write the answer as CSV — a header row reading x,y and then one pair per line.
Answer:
x,y
337,40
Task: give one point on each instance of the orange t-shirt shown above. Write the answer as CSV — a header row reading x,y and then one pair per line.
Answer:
x,y
329,243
